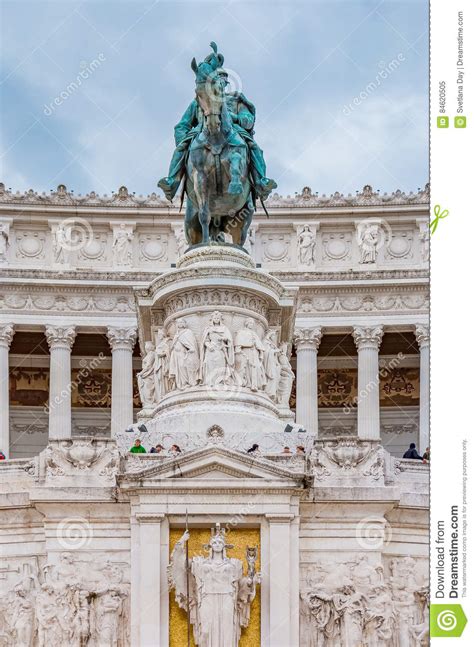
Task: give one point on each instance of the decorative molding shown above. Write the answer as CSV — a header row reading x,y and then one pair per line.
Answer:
x,y
367,337
6,335
60,336
308,338
121,338
123,198
363,299
422,334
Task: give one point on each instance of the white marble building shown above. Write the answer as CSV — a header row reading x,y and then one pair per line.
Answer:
x,y
336,291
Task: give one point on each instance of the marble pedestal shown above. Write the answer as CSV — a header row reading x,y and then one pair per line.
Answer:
x,y
217,284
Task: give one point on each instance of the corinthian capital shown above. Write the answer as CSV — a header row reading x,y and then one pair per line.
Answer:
x,y
6,334
121,338
368,337
422,334
60,336
308,338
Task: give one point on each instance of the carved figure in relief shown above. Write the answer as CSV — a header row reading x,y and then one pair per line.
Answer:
x,y
53,628
184,357
180,241
368,242
22,614
108,612
249,355
122,245
349,604
271,363
249,245
425,243
146,377
162,365
220,594
306,245
217,353
4,242
61,243
287,377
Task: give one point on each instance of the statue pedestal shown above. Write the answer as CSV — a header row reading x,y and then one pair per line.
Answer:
x,y
221,331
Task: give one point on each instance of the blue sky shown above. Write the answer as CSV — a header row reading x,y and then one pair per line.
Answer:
x,y
304,65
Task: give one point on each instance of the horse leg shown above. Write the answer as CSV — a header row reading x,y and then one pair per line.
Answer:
x,y
192,226
235,167
201,189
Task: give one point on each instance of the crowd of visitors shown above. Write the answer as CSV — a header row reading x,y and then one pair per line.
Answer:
x,y
137,448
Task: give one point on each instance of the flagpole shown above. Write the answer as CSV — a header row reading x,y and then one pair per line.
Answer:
x,y
187,584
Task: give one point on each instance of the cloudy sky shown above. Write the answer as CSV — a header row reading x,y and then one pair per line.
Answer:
x,y
341,89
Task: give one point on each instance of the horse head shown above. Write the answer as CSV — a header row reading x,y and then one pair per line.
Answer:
x,y
210,88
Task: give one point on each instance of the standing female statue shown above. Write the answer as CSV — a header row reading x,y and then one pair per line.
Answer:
x,y
271,363
217,353
184,357
219,594
249,351
146,377
162,364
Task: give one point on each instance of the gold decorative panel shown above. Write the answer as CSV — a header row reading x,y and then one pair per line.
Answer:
x,y
91,387
401,387
336,388
240,538
29,387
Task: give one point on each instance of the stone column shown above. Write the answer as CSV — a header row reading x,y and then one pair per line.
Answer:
x,y
422,334
60,340
122,341
307,342
368,340
6,336
147,590
282,571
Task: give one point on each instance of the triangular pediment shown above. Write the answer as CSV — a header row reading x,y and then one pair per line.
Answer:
x,y
217,463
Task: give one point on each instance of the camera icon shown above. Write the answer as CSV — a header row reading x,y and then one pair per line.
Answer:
x,y
460,122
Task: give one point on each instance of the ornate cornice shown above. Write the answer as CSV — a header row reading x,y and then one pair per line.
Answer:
x,y
60,336
368,337
6,334
123,198
308,338
349,275
121,338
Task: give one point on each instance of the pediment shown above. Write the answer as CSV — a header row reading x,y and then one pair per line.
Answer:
x,y
213,463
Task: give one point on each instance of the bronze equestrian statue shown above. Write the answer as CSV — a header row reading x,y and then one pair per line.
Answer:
x,y
223,167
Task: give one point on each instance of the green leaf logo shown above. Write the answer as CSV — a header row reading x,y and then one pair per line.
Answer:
x,y
447,620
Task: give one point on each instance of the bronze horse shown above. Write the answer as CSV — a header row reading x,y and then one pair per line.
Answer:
x,y
218,186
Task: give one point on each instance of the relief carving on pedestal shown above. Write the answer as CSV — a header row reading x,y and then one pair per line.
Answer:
x,y
215,359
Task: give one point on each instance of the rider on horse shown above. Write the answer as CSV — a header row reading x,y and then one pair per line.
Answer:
x,y
242,112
